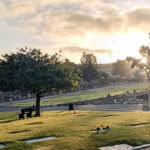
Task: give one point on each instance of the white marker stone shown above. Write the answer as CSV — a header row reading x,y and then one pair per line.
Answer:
x,y
117,147
39,140
2,146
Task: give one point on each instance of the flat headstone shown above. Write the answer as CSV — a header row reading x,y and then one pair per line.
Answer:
x,y
117,147
141,147
39,140
2,146
125,102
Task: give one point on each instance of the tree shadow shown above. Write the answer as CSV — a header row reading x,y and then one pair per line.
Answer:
x,y
139,124
21,131
34,123
8,121
109,115
81,115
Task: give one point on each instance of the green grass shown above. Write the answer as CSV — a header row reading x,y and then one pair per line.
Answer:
x,y
88,95
74,132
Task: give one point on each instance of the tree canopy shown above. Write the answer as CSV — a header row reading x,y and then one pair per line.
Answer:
x,y
122,68
87,59
143,65
30,70
88,66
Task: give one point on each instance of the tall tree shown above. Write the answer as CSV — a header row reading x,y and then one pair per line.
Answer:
x,y
88,65
87,59
30,70
70,75
144,62
122,68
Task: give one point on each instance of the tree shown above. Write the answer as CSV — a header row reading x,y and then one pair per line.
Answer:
x,y
142,63
103,75
139,75
29,70
87,59
70,75
88,66
122,68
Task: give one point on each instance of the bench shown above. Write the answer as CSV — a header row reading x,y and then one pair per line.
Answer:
x,y
27,111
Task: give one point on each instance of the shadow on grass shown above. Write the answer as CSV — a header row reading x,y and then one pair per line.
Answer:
x,y
139,124
8,121
65,114
109,115
34,123
81,115
60,111
21,131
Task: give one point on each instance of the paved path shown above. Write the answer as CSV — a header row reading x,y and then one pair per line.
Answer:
x,y
112,107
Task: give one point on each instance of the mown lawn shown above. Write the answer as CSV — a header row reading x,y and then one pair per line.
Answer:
x,y
88,95
74,132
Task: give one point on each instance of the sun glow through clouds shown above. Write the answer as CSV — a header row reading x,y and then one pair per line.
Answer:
x,y
143,60
49,25
123,45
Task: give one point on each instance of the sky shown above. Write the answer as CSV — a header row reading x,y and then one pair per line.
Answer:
x,y
111,29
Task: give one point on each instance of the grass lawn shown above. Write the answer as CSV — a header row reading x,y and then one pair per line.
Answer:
x,y
88,95
74,132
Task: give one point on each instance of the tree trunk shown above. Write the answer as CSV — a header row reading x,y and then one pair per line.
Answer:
x,y
38,97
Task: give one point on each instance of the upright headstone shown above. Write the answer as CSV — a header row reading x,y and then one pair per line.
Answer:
x,y
134,91
146,102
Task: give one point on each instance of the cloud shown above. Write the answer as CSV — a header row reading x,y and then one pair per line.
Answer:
x,y
82,23
70,24
3,9
139,19
59,18
106,23
96,16
75,53
81,50
18,9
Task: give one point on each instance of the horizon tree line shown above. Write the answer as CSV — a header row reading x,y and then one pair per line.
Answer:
x,y
30,70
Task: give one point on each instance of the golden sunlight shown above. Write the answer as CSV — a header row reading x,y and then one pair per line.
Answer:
x,y
143,60
123,44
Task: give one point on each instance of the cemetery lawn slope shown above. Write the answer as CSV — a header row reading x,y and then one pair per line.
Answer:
x,y
97,93
75,132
